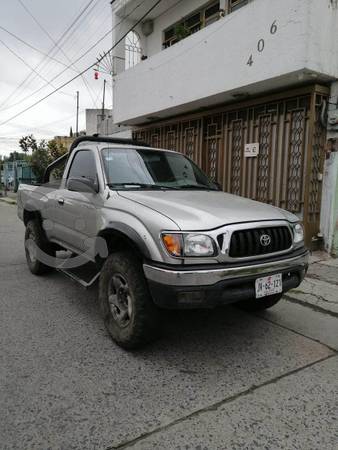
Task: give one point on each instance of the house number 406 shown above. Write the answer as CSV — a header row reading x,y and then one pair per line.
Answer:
x,y
261,43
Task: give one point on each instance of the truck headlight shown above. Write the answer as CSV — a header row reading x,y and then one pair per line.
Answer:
x,y
298,233
181,245
198,245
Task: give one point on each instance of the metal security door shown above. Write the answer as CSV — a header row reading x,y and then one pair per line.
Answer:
x,y
288,169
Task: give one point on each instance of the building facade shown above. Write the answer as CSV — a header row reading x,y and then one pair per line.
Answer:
x,y
101,122
217,79
16,172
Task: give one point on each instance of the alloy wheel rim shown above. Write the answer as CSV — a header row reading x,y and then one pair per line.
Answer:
x,y
31,247
120,301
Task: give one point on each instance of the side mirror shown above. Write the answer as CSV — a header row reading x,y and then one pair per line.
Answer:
x,y
83,185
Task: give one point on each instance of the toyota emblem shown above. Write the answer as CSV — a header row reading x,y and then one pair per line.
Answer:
x,y
265,240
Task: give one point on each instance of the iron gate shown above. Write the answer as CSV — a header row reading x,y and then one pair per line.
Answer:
x,y
287,171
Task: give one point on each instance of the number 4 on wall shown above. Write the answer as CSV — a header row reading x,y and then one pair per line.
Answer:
x,y
250,61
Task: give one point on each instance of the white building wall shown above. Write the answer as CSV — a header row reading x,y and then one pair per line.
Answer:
x,y
210,66
322,36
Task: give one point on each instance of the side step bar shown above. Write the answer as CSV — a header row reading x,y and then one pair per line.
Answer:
x,y
86,275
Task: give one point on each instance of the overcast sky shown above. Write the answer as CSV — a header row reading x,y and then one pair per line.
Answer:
x,y
55,115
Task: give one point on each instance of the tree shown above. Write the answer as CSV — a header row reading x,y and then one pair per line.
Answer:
x,y
28,143
43,153
40,159
56,149
14,156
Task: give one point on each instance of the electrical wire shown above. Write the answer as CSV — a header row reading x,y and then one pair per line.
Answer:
x,y
64,34
50,51
56,44
29,66
32,47
78,59
87,68
76,26
71,38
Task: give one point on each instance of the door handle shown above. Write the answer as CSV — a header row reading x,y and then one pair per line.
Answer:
x,y
61,201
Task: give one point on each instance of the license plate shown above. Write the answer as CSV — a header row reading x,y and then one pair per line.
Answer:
x,y
269,285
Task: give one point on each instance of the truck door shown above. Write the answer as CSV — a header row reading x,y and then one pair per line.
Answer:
x,y
75,219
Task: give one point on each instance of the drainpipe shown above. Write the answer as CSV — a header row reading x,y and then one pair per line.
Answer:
x,y
329,210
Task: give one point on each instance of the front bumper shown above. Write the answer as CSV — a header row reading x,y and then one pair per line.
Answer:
x,y
182,287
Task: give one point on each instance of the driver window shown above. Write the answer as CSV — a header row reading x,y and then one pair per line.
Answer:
x,y
83,166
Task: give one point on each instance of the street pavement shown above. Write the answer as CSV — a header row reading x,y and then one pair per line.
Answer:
x,y
219,379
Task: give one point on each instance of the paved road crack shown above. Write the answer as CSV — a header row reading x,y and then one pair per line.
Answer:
x,y
216,406
317,296
317,341
316,307
313,276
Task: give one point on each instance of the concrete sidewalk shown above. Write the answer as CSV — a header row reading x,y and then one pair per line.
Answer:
x,y
319,290
9,198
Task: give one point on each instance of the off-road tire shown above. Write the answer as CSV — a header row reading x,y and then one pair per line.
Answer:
x,y
143,326
259,304
35,232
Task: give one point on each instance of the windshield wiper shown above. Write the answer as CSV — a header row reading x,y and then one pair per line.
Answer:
x,y
139,186
198,187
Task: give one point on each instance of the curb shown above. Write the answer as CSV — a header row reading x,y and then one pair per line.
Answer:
x,y
8,201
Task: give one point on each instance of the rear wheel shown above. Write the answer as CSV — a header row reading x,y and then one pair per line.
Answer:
x,y
259,304
129,313
35,241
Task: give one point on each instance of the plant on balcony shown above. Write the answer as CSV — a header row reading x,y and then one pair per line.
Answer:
x,y
182,31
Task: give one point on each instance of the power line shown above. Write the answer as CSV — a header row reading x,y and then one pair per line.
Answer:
x,y
79,24
33,48
78,59
55,43
29,66
88,68
50,51
78,17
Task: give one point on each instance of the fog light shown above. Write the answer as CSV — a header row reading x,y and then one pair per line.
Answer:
x,y
191,298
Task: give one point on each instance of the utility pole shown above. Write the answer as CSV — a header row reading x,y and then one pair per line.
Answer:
x,y
77,113
104,95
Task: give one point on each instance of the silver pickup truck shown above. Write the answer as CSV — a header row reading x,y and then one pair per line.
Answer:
x,y
157,233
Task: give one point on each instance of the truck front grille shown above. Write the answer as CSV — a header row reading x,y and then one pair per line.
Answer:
x,y
259,241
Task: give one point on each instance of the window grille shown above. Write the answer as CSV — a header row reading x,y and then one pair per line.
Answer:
x,y
236,4
191,24
133,50
207,15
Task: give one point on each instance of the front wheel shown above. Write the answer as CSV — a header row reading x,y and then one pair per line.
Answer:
x,y
259,304
129,313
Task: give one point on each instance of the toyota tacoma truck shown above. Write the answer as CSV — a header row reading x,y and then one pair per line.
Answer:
x,y
156,233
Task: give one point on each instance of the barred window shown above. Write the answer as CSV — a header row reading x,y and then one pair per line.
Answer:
x,y
192,23
236,4
133,51
205,16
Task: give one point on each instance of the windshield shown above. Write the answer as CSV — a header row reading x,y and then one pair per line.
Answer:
x,y
152,169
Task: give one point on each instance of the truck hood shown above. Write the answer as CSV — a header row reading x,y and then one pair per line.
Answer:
x,y
206,210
